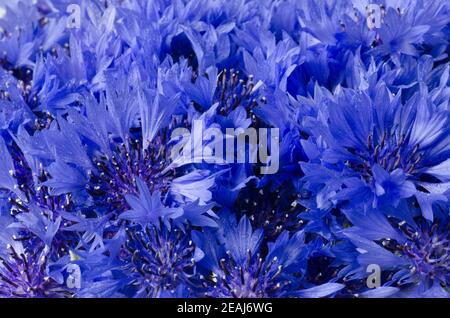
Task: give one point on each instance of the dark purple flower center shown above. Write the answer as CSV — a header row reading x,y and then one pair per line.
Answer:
x,y
256,278
275,211
37,194
390,153
233,91
116,176
160,259
428,252
25,275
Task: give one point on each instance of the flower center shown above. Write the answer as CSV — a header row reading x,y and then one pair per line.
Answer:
x,y
389,153
162,259
428,251
232,92
430,254
116,176
275,210
39,195
254,279
24,275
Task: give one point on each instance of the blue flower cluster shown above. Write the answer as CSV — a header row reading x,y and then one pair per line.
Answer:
x,y
93,203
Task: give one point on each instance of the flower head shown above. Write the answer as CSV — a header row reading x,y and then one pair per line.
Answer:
x,y
244,268
161,260
411,251
379,149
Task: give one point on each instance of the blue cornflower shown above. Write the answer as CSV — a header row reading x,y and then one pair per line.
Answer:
x,y
162,260
26,259
411,251
152,260
35,209
24,274
235,264
373,150
412,30
88,180
117,140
